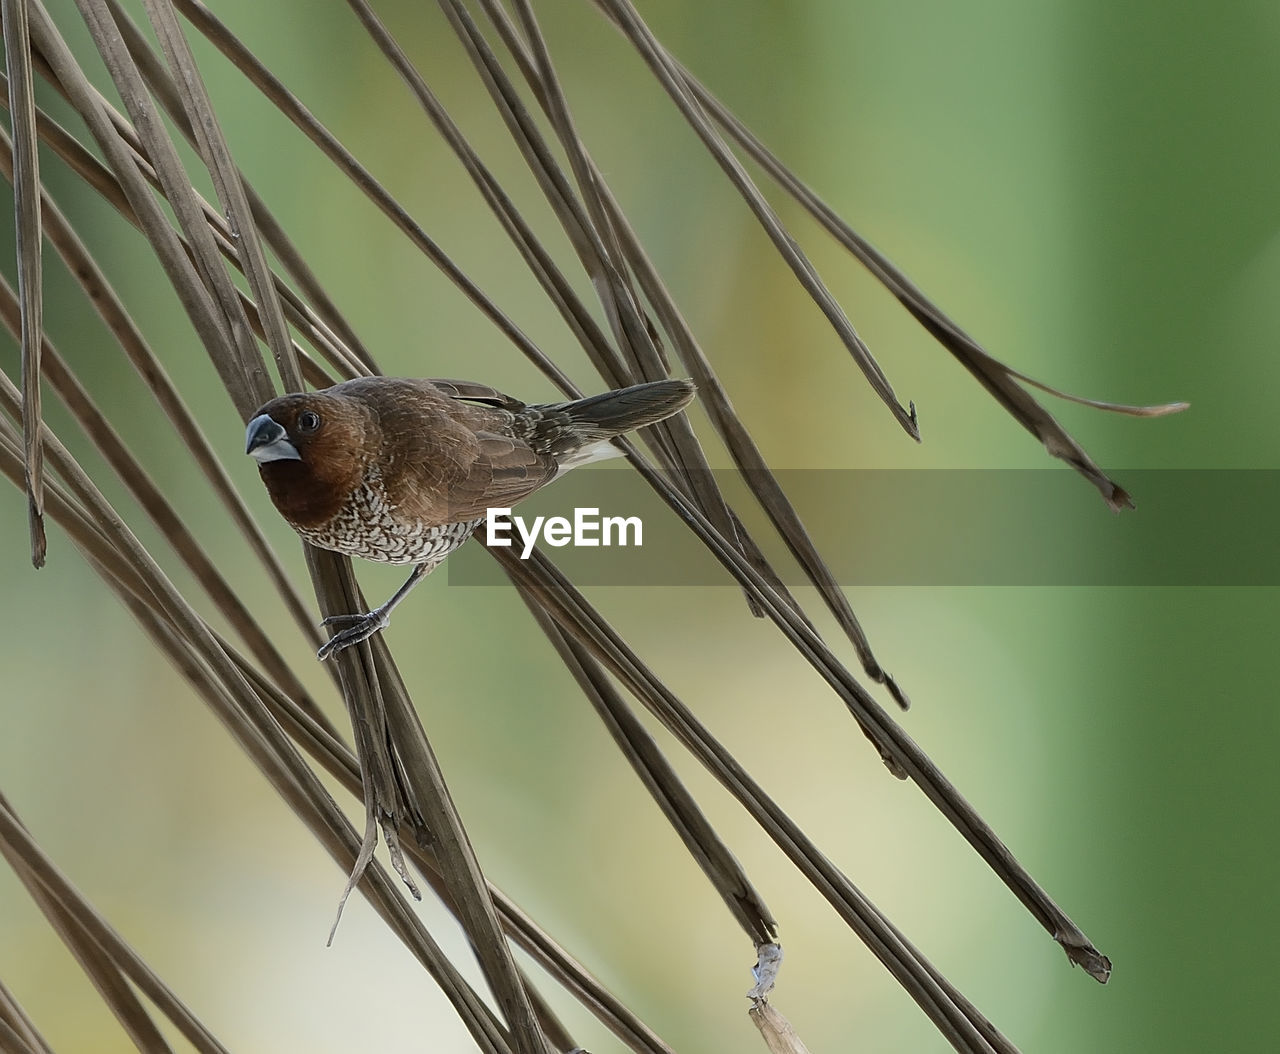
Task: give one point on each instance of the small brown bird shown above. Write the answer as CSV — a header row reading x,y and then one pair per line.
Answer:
x,y
403,471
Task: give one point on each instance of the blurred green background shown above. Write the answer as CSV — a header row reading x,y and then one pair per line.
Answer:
x,y
1089,188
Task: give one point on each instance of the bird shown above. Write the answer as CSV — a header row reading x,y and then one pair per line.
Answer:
x,y
402,471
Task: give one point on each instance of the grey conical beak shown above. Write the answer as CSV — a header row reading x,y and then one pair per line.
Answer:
x,y
265,440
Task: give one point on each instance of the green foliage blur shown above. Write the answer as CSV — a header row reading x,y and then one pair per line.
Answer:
x,y
1088,188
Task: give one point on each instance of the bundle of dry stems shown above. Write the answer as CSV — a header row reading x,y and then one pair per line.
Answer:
x,y
126,155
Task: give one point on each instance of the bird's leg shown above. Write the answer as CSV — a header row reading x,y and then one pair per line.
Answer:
x,y
362,627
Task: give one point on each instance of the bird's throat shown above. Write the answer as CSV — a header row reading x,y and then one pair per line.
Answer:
x,y
303,499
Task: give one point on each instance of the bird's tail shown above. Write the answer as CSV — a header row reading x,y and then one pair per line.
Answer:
x,y
613,413
579,432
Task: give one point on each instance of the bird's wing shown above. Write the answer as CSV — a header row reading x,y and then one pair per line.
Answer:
x,y
505,472
449,453
471,392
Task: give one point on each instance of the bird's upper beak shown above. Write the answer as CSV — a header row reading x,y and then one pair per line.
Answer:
x,y
265,440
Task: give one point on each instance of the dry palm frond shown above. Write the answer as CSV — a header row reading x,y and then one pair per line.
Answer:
x,y
217,256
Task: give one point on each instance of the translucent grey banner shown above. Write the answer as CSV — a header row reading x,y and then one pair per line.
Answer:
x,y
1035,527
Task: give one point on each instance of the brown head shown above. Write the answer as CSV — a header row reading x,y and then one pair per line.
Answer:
x,y
311,450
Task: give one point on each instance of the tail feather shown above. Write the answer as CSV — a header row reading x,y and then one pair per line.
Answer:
x,y
613,413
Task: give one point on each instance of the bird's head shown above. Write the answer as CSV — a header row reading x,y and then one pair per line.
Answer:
x,y
311,450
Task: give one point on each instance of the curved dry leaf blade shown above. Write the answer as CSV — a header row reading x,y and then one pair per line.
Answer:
x,y
661,781
1158,410
668,73
993,374
30,256
17,1031
103,954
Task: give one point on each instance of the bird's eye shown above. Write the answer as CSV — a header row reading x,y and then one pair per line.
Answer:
x,y
308,422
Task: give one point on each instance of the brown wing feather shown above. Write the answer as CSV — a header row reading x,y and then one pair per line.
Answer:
x,y
507,471
456,389
454,460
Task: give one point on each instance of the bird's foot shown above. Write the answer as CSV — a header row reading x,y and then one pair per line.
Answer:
x,y
358,628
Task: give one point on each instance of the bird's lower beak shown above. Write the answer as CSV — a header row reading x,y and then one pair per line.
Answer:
x,y
265,440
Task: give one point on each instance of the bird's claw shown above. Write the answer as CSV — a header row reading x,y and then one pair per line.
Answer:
x,y
347,620
359,627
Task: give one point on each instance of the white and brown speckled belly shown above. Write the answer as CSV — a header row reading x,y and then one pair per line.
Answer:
x,y
367,527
